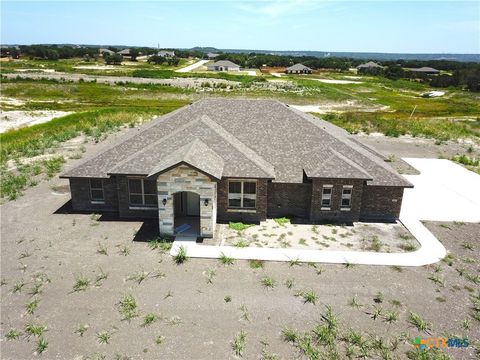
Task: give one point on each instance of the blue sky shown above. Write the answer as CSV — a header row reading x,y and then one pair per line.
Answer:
x,y
374,26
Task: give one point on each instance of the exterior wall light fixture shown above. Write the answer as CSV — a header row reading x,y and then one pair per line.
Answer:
x,y
164,201
205,202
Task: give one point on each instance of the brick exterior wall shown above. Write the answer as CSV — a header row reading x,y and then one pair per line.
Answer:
x,y
80,191
273,200
290,200
124,202
224,214
381,202
335,214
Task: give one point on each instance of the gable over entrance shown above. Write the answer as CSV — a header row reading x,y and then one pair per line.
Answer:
x,y
181,178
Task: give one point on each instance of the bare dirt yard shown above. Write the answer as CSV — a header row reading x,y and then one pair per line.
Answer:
x,y
17,118
281,233
90,286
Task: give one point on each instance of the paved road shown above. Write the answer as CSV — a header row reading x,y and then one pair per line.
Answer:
x,y
192,67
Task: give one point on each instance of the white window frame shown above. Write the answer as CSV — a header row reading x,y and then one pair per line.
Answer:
x,y
97,200
142,194
346,196
325,197
241,195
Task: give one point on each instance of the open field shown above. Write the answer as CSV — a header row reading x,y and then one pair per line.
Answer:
x,y
376,106
94,283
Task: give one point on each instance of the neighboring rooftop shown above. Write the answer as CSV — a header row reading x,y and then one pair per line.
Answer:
x,y
241,138
425,69
298,67
226,63
369,65
166,53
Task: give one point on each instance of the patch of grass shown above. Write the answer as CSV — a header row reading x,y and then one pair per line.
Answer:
x,y
289,283
437,279
210,274
282,221
149,319
123,249
467,245
408,246
225,260
241,243
294,262
162,244
391,316
289,335
227,298
159,340
42,345
81,283
32,306
354,302
181,255
102,249
245,315
309,296
256,264
268,282
127,307
417,321
375,244
100,277
13,334
103,337
35,330
139,276
378,298
239,226
82,329
18,286
239,343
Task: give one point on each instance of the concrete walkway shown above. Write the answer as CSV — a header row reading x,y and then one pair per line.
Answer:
x,y
455,180
192,67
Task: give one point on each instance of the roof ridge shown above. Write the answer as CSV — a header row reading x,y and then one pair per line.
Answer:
x,y
155,143
240,146
354,146
350,162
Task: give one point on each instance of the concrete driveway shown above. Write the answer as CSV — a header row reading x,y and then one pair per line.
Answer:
x,y
192,67
444,191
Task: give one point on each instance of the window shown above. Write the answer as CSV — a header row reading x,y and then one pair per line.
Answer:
x,y
96,191
326,197
346,197
242,194
142,192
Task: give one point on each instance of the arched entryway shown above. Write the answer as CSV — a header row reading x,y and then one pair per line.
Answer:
x,y
186,205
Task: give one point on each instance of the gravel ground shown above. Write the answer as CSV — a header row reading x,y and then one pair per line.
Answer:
x,y
41,239
382,237
44,243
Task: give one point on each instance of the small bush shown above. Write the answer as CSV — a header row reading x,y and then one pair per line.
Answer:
x,y
181,255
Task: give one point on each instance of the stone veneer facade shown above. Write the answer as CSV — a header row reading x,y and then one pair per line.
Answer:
x,y
185,178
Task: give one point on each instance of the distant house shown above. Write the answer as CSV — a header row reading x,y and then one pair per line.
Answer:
x,y
212,56
166,53
124,52
106,51
369,65
298,69
425,70
223,65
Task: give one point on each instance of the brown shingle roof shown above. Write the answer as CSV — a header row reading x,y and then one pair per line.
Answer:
x,y
255,138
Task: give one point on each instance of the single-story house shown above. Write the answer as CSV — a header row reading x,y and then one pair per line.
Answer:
x,y
124,52
166,53
220,160
223,65
106,51
369,65
298,69
425,70
212,56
